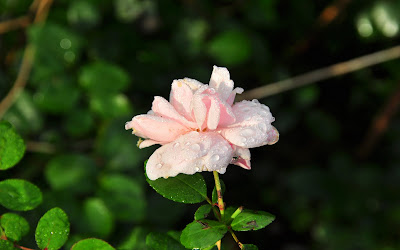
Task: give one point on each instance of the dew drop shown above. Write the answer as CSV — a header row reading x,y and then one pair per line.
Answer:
x,y
197,169
215,158
158,165
195,147
243,140
176,145
187,143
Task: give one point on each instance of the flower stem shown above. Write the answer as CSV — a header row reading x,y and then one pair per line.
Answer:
x,y
221,205
235,238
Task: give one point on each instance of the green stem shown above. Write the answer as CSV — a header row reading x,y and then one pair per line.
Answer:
x,y
237,212
221,205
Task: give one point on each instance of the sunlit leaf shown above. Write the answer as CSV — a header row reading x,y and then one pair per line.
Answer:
x,y
14,226
92,244
19,195
98,217
52,230
12,147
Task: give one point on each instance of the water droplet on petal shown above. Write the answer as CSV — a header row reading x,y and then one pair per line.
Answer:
x,y
195,147
215,158
243,140
176,145
158,165
187,143
197,169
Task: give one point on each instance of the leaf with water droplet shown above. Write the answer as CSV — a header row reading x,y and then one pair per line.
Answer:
x,y
181,188
19,195
52,230
14,226
12,147
252,220
6,245
158,241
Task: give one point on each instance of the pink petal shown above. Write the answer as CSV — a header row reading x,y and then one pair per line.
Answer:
x,y
242,156
220,80
190,153
252,127
214,113
199,110
156,128
232,96
147,143
163,108
180,97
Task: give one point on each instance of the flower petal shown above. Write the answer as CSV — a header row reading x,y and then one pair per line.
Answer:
x,y
199,110
156,128
146,143
214,114
163,108
252,127
232,96
242,157
220,80
190,153
180,97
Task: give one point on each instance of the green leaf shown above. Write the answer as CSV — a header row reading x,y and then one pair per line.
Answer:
x,y
110,105
92,244
202,212
14,226
52,230
24,115
12,147
135,240
79,122
251,220
202,233
123,196
230,47
6,245
249,247
159,241
73,172
214,192
83,13
98,217
59,94
19,195
181,188
103,78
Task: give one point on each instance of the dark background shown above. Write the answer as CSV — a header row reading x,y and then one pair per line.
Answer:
x,y
332,180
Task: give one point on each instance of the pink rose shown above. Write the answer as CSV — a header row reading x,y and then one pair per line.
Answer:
x,y
200,129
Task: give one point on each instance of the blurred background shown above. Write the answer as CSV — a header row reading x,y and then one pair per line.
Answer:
x,y
332,180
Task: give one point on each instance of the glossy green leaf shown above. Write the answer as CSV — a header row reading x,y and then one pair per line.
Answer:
x,y
19,195
202,212
181,188
103,78
214,192
6,245
159,241
230,47
12,147
92,244
202,233
135,240
73,172
14,226
52,230
251,220
249,247
98,217
123,196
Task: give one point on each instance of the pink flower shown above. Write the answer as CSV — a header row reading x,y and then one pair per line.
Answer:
x,y
200,129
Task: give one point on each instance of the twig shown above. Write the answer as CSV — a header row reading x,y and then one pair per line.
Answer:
x,y
221,205
379,124
235,238
20,22
322,74
40,147
27,60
